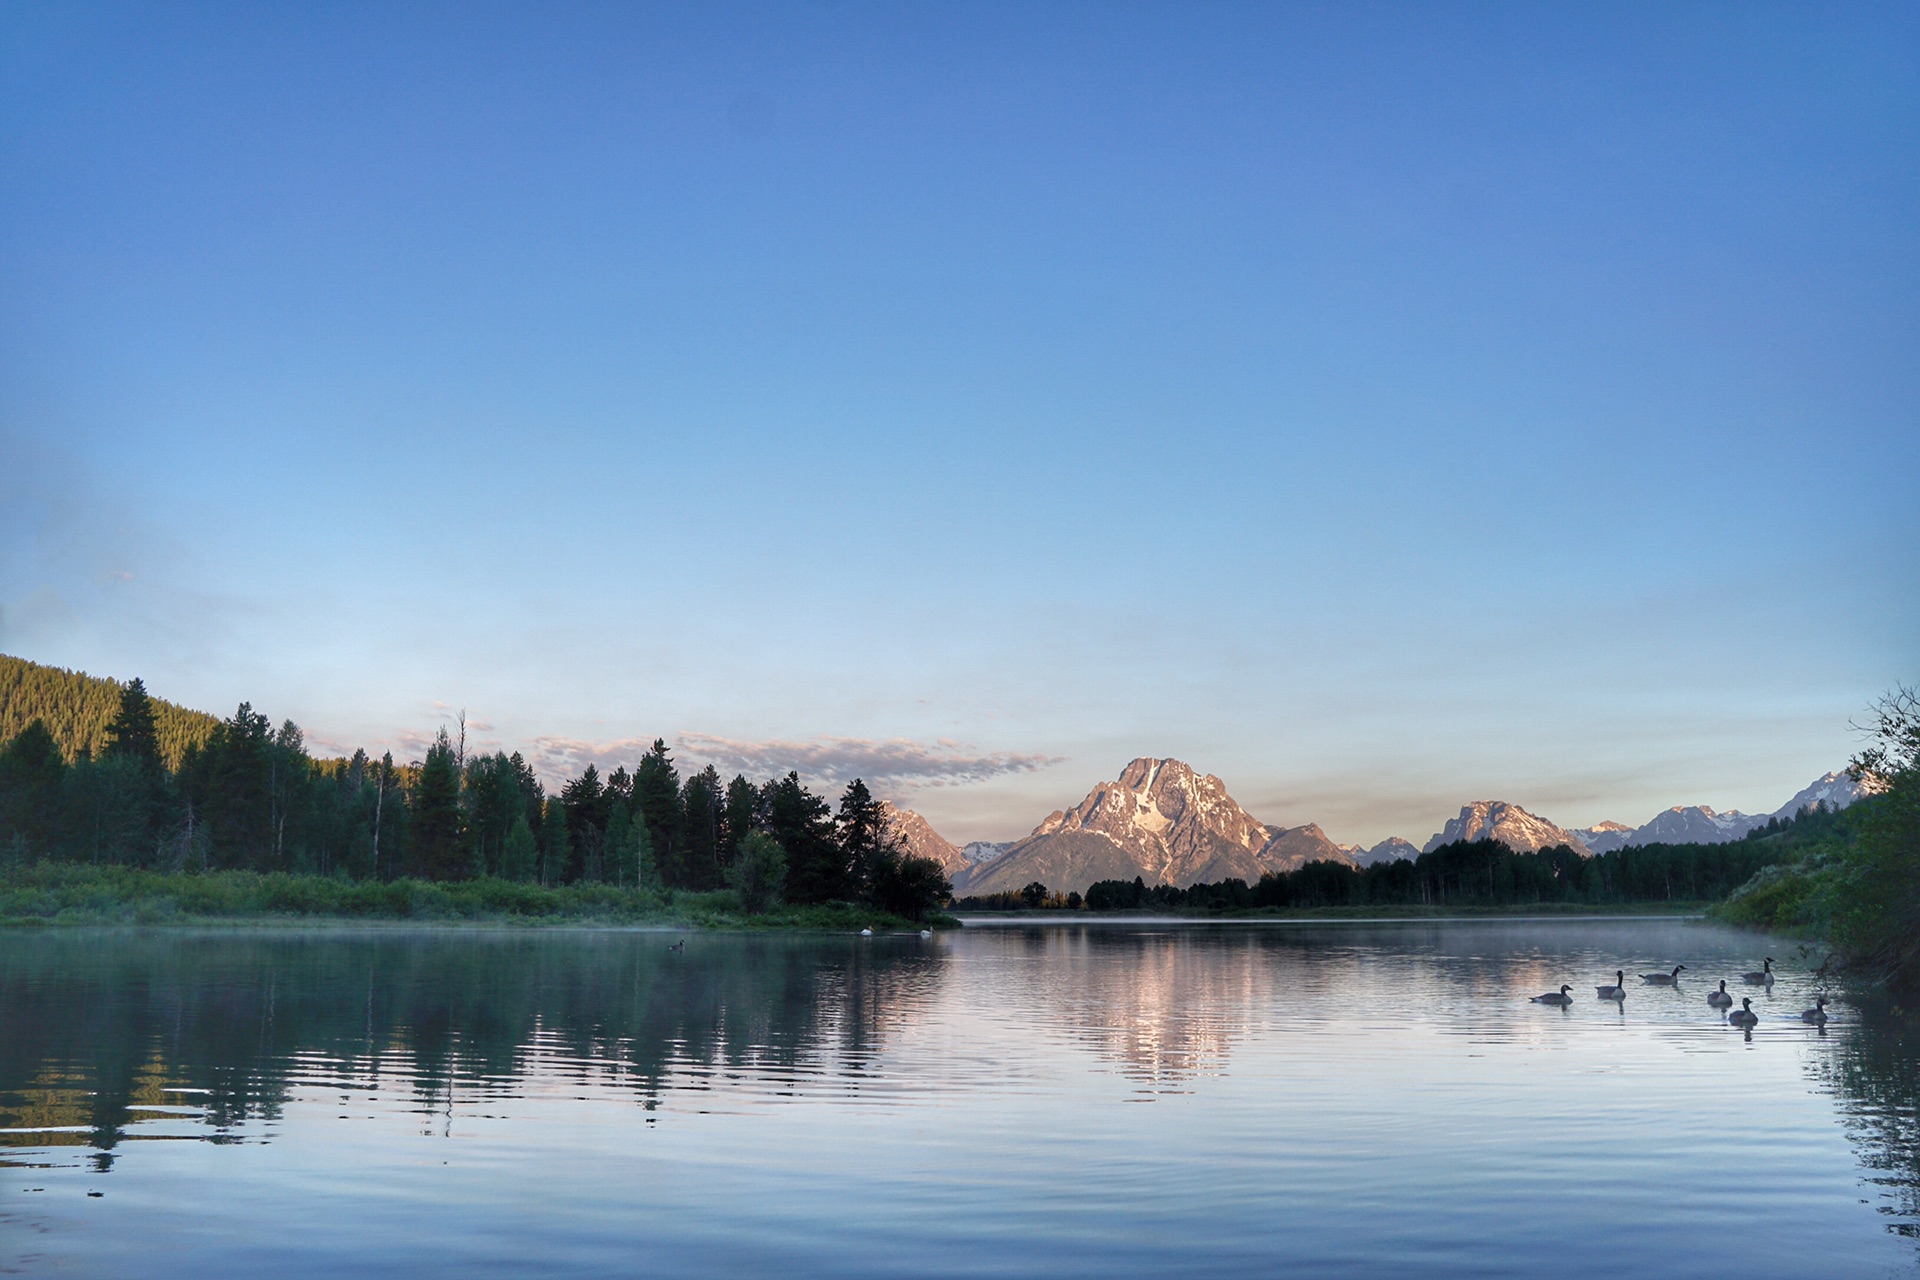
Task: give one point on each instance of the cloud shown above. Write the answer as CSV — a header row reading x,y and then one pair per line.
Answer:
x,y
898,765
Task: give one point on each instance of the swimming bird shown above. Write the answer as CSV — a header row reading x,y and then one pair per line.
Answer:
x,y
866,933
1664,979
1559,997
926,933
679,946
1765,973
1817,1014
1619,988
1744,1016
1720,999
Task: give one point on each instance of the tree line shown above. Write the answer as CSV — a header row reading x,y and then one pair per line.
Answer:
x,y
1477,873
248,796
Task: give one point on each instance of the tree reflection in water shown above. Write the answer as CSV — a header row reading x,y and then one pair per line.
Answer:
x,y
1874,1068
106,1033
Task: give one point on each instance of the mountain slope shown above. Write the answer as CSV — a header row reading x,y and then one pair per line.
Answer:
x,y
920,840
1508,823
77,708
1159,822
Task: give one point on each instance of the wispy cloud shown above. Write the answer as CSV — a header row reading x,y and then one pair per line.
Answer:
x,y
894,764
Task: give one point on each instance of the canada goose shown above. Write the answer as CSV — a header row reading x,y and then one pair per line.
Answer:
x,y
1817,1014
1764,975
1559,997
1664,979
1618,990
1744,1016
679,946
1720,999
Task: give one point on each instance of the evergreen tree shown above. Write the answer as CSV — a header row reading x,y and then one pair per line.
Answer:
x,y
868,843
656,793
702,816
31,773
437,844
759,872
519,854
133,734
803,825
555,853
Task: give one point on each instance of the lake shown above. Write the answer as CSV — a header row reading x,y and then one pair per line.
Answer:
x,y
1101,1099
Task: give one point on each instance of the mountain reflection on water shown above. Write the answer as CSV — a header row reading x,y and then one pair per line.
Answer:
x,y
1331,1099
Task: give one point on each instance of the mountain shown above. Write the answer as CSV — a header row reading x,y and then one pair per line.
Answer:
x,y
1392,849
1159,822
1694,824
920,840
1605,837
1835,790
1508,823
1291,848
985,850
77,708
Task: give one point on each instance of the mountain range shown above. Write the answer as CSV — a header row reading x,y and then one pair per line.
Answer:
x,y
1163,823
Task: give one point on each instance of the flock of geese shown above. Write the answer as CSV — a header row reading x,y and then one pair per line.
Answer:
x,y
1744,1016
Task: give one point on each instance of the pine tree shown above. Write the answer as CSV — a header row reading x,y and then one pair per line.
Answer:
x,y
656,793
803,824
133,734
437,845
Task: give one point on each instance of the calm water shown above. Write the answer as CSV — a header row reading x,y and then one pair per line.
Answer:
x,y
1105,1100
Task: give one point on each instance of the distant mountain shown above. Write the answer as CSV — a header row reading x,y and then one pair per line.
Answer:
x,y
77,708
1508,823
1159,822
1392,849
1701,824
920,840
1694,824
1835,790
1604,837
985,850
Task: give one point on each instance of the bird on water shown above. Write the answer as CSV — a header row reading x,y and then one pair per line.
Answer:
x,y
1664,979
1619,988
1720,999
1764,974
679,946
1559,997
1816,1015
1744,1016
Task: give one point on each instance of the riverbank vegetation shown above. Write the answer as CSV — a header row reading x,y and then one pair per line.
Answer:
x,y
1857,888
51,893
245,797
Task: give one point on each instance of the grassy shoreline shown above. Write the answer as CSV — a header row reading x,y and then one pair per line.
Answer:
x,y
61,895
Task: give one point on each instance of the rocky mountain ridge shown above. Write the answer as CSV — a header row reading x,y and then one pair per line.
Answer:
x,y
1163,823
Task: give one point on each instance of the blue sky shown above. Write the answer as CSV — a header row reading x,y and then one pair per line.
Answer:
x,y
1378,406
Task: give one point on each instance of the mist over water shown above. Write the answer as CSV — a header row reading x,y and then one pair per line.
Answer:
x,y
1099,1099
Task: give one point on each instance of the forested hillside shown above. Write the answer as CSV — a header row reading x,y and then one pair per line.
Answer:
x,y
77,707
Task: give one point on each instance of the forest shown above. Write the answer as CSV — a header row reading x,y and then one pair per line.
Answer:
x,y
145,789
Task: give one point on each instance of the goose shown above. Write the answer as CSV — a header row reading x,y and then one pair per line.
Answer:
x,y
1765,974
1816,1015
1664,979
1559,997
1618,990
1720,999
679,946
1744,1016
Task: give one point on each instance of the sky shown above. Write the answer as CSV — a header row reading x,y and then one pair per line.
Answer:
x,y
1378,406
